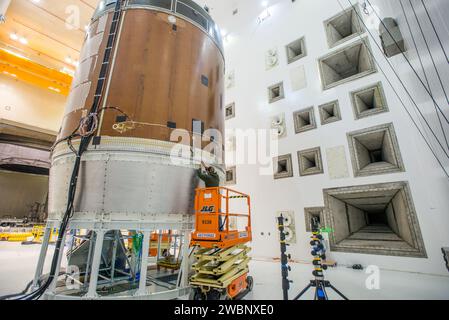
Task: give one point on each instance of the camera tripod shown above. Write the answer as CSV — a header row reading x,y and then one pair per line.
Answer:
x,y
319,254
320,286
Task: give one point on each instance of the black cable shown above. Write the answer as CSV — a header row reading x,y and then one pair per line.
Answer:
x,y
399,78
401,81
435,30
395,91
10,296
71,195
117,109
74,132
38,293
84,143
423,69
430,52
406,59
24,292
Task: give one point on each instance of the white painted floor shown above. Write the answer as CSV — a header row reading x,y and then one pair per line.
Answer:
x,y
393,285
17,264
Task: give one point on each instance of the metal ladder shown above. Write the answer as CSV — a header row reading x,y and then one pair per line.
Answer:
x,y
107,56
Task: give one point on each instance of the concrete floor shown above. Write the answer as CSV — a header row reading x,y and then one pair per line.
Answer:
x,y
17,265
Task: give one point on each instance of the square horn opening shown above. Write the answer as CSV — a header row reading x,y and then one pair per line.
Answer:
x,y
276,92
315,212
343,27
310,162
347,64
296,50
374,219
231,177
282,166
330,112
375,151
304,120
369,101
230,111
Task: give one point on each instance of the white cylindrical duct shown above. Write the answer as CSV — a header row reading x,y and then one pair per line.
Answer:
x,y
4,5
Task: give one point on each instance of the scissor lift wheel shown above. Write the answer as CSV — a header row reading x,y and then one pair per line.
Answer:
x,y
250,282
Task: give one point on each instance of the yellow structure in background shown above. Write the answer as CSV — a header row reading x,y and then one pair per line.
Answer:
x,y
38,234
15,236
34,234
24,69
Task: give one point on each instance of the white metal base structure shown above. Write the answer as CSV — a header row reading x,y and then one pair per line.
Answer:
x,y
88,289
124,184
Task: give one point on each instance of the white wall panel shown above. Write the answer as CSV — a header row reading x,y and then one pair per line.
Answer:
x,y
245,50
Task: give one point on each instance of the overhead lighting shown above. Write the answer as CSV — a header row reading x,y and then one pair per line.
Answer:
x,y
227,38
54,89
263,16
265,3
68,71
15,54
10,74
14,37
69,60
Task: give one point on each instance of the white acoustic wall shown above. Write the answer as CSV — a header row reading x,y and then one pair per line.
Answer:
x,y
246,49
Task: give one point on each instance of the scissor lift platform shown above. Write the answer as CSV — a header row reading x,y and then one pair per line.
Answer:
x,y
221,268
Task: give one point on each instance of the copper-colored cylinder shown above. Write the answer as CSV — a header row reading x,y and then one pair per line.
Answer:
x,y
162,74
166,71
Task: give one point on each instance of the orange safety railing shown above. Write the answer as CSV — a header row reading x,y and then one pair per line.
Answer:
x,y
212,218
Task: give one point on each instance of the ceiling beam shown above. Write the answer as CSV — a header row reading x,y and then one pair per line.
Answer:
x,y
31,72
46,35
57,17
87,4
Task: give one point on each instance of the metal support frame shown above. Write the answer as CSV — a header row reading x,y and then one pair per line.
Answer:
x,y
42,256
144,263
183,275
93,279
114,254
88,261
52,286
159,240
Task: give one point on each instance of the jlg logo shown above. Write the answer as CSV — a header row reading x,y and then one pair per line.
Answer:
x,y
208,209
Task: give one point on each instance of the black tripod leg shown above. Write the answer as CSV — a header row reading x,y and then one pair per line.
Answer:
x,y
339,293
302,292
